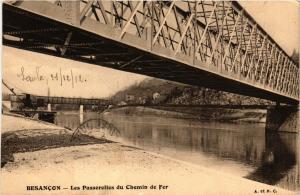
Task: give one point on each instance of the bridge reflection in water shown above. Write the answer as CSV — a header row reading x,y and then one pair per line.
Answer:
x,y
280,161
240,149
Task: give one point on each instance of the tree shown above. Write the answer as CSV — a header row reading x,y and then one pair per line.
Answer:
x,y
295,57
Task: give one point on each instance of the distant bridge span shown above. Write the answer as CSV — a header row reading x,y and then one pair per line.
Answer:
x,y
213,44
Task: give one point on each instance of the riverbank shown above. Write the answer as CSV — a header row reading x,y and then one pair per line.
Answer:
x,y
200,113
44,155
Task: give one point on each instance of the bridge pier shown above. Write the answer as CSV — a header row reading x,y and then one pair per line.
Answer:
x,y
81,114
49,107
81,109
283,118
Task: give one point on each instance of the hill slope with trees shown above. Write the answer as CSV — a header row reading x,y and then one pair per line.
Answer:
x,y
160,92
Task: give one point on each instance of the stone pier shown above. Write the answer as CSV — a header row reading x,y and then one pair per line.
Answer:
x,y
283,119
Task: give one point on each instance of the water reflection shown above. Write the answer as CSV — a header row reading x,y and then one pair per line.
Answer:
x,y
240,149
95,127
279,161
164,134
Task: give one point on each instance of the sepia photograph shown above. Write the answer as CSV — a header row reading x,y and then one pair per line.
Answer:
x,y
147,97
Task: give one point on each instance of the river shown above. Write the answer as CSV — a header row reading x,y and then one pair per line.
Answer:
x,y
241,149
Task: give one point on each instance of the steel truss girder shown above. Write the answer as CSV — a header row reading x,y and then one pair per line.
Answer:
x,y
217,33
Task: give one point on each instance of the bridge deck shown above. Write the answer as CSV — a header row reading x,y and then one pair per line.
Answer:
x,y
211,44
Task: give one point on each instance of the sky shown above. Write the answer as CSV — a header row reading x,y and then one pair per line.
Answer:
x,y
21,69
280,19
68,78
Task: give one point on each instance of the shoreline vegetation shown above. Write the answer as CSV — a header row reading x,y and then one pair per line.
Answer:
x,y
200,113
171,99
97,162
153,91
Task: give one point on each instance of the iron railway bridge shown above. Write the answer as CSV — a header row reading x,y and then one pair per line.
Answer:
x,y
215,44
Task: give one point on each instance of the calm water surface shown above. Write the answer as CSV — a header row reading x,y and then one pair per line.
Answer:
x,y
239,149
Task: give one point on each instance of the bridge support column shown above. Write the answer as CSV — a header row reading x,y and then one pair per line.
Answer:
x,y
283,118
81,114
49,107
81,109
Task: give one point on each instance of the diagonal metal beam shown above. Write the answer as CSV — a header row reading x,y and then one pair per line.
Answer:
x,y
230,39
219,35
171,39
130,19
206,27
102,9
287,80
135,19
295,91
163,22
131,61
269,63
162,30
260,55
263,66
85,10
248,44
288,66
253,56
67,41
184,33
275,74
238,50
295,86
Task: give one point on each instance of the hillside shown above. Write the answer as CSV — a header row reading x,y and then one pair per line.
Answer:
x,y
157,91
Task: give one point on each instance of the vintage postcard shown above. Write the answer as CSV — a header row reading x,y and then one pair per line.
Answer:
x,y
150,97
